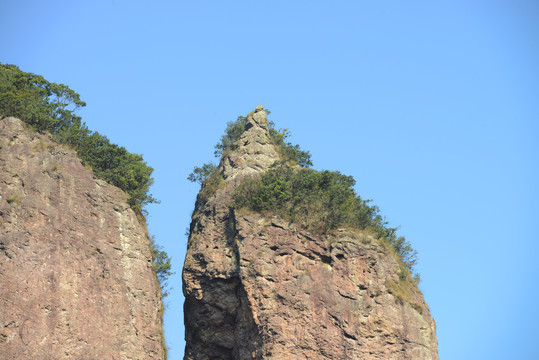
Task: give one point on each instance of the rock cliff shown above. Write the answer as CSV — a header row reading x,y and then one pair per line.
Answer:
x,y
258,287
76,276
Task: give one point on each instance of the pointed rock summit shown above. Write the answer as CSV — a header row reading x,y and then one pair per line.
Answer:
x,y
258,287
254,151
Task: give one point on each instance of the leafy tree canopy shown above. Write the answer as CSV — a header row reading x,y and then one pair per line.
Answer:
x,y
233,131
50,107
200,174
161,265
41,104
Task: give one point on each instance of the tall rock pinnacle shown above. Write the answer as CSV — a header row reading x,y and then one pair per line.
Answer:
x,y
258,287
76,276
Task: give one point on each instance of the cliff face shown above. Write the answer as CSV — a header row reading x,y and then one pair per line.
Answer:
x,y
258,287
76,277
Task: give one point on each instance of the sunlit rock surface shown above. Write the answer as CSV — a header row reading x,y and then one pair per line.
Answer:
x,y
76,277
260,288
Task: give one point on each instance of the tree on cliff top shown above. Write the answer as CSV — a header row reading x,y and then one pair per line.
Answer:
x,y
41,104
50,107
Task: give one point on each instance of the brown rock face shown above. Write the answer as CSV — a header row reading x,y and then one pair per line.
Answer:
x,y
76,277
259,288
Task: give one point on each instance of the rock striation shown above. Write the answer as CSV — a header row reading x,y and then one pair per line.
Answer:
x,y
258,287
76,275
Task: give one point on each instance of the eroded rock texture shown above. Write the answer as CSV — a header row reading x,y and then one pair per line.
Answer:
x,y
76,278
260,288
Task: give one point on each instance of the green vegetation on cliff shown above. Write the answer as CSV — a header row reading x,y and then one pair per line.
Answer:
x,y
288,152
161,266
316,200
320,201
50,107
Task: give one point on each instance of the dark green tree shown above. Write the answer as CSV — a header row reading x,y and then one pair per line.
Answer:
x,y
161,265
233,131
50,107
200,174
41,104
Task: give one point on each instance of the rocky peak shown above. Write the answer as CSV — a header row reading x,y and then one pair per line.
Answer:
x,y
258,287
258,118
254,151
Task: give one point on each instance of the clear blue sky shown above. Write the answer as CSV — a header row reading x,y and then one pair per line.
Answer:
x,y
433,106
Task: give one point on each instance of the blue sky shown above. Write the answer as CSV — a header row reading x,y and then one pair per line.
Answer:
x,y
431,105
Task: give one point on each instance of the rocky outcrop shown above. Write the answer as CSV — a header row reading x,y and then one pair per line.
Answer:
x,y
259,288
76,276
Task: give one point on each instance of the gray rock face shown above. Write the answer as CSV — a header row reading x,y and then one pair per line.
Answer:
x,y
76,277
259,287
255,151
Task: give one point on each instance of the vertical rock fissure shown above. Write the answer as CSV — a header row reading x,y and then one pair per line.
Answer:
x,y
246,333
232,238
246,330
